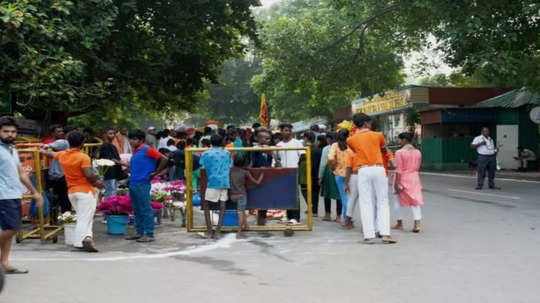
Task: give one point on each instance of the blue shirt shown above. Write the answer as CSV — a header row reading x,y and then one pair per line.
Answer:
x,y
217,163
143,163
55,170
260,159
10,182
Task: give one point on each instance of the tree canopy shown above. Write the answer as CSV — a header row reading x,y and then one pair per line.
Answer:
x,y
498,38
232,99
71,56
306,73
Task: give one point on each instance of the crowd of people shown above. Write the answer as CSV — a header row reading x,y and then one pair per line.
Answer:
x,y
349,166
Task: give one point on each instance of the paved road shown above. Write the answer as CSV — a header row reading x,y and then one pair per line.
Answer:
x,y
474,247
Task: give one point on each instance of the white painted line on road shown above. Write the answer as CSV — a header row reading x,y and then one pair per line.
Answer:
x,y
473,177
485,194
224,242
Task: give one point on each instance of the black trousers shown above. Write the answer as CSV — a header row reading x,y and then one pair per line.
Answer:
x,y
315,189
486,164
60,191
328,207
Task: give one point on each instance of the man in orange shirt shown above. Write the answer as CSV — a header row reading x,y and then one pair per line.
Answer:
x,y
81,180
368,148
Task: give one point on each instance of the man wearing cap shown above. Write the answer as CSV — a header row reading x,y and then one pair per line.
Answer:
x,y
151,137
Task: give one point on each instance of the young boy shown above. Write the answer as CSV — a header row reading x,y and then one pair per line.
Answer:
x,y
260,159
217,162
238,190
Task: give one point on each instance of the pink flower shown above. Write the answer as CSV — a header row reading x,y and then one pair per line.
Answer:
x,y
156,205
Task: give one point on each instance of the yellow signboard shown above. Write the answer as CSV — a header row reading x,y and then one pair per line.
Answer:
x,y
389,101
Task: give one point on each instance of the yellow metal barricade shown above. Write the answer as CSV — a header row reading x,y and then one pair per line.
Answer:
x,y
189,191
44,230
92,149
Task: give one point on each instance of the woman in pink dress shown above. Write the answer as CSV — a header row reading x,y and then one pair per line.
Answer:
x,y
407,184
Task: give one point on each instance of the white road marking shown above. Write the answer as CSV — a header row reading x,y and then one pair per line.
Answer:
x,y
224,242
485,194
473,177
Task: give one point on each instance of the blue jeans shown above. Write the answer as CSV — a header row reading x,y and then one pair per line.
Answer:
x,y
139,195
110,188
344,198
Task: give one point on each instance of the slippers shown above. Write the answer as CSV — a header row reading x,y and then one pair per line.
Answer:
x,y
15,271
145,239
132,238
369,241
388,240
88,245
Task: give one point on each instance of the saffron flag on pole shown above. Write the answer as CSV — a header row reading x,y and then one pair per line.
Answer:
x,y
263,113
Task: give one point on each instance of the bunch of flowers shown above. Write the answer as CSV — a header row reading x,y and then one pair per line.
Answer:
x,y
102,165
177,189
121,206
116,205
67,218
160,196
171,194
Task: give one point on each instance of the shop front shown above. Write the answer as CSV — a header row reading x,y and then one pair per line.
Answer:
x,y
395,110
448,132
440,117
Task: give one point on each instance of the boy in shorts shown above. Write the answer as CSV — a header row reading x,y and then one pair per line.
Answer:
x,y
238,190
217,162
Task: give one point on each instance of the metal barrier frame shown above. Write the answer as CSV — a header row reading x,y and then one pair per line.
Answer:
x,y
189,191
88,146
44,230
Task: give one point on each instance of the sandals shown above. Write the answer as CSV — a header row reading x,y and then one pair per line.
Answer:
x,y
131,238
15,271
388,240
145,239
88,245
369,241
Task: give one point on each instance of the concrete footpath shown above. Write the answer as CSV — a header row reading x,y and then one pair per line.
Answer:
x,y
475,246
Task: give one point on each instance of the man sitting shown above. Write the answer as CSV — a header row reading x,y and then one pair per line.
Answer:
x,y
524,155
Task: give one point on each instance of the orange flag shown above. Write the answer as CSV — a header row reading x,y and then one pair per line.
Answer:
x,y
263,114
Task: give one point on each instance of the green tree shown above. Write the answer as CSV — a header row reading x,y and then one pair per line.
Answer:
x,y
232,99
306,74
70,57
498,38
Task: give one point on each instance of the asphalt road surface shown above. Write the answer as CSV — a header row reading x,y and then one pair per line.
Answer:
x,y
475,246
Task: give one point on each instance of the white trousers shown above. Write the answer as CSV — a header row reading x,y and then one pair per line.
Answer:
x,y
373,190
85,207
352,200
398,210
